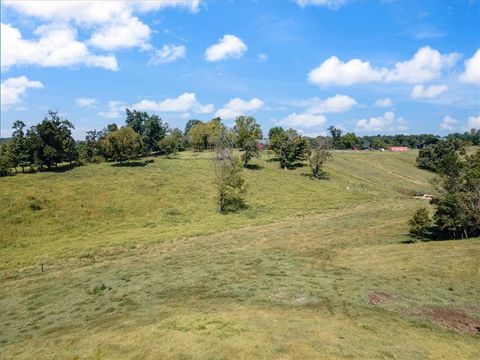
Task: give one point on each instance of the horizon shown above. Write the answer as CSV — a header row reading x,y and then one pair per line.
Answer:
x,y
368,67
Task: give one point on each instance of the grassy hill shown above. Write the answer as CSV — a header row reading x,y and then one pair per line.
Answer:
x,y
139,264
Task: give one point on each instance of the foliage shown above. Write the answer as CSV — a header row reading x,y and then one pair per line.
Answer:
x,y
319,155
247,131
457,212
191,124
204,136
6,163
122,144
438,157
149,127
172,143
336,136
420,223
289,146
21,154
229,180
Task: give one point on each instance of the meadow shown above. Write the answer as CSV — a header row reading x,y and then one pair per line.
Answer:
x,y
138,263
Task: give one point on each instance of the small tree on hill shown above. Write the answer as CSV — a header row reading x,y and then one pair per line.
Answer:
x,y
247,131
319,155
288,145
123,144
228,178
420,223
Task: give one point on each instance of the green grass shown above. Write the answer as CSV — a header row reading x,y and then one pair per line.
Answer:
x,y
140,265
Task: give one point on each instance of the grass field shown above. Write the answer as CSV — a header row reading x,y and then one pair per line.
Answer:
x,y
139,264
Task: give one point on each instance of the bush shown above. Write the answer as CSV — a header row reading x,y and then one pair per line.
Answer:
x,y
420,223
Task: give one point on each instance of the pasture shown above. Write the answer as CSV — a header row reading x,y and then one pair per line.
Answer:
x,y
138,263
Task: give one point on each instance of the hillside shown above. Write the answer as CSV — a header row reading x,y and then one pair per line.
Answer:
x,y
139,263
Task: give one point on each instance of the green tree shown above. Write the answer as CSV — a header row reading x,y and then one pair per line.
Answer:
x,y
247,131
319,155
149,127
289,147
190,125
5,160
336,136
172,143
420,223
123,144
229,179
20,150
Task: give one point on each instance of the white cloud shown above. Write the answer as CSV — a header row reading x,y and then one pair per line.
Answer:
x,y
85,102
262,57
334,104
167,54
383,103
237,107
386,123
335,72
187,102
13,89
474,122
229,46
111,24
332,4
114,111
56,46
427,64
92,11
472,69
448,123
419,91
122,34
303,120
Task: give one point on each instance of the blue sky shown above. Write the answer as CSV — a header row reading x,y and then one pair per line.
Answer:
x,y
366,66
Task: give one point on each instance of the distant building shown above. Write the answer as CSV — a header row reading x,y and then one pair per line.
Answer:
x,y
355,148
398,148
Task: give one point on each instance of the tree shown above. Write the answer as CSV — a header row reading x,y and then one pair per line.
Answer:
x,y
247,131
289,146
440,157
172,143
190,125
19,146
319,155
123,144
457,213
149,127
336,135
206,135
349,140
92,148
5,160
420,223
228,178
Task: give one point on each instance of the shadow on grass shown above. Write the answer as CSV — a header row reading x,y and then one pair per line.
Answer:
x,y
62,168
254,167
131,164
323,176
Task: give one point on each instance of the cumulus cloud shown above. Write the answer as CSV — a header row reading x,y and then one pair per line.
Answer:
x,y
111,24
187,102
383,103
334,104
474,122
471,74
230,46
13,89
304,120
85,102
114,111
122,34
332,4
56,46
335,72
427,64
419,91
237,107
386,123
448,123
168,53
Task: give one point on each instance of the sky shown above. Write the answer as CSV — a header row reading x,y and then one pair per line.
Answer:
x,y
369,67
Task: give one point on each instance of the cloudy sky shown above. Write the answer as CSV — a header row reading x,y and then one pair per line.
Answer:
x,y
366,66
